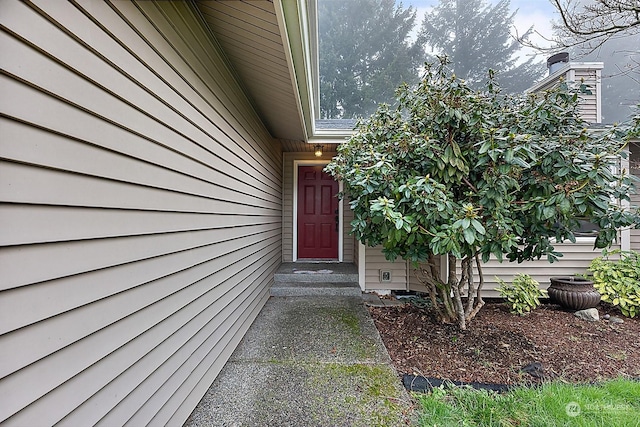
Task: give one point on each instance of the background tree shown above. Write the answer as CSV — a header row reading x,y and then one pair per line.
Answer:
x,y
468,174
476,37
365,54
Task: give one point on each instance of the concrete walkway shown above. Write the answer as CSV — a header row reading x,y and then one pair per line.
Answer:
x,y
307,361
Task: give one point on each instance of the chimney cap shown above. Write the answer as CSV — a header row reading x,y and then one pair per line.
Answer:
x,y
558,57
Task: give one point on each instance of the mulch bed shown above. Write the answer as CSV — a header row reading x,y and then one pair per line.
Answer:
x,y
498,344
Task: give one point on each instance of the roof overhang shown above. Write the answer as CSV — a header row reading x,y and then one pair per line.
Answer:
x,y
293,20
271,47
300,18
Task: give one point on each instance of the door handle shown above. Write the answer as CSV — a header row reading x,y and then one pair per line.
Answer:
x,y
336,223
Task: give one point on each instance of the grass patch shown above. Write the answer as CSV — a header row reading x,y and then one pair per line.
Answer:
x,y
613,403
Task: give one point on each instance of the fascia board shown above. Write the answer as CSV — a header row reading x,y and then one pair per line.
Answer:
x,y
563,71
292,19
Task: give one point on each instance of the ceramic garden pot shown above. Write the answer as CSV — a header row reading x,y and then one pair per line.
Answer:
x,y
572,292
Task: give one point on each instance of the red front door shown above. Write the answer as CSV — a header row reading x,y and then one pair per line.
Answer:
x,y
317,214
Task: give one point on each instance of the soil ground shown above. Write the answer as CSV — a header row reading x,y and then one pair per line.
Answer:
x,y
498,344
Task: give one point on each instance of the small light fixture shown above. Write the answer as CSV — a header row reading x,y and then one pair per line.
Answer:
x,y
318,150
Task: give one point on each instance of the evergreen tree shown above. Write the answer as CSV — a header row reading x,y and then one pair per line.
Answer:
x,y
476,38
365,55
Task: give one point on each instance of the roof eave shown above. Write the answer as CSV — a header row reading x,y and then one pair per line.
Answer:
x,y
562,71
293,20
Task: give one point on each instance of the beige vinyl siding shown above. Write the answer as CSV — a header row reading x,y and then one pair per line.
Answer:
x,y
548,86
576,74
588,102
634,161
375,261
287,217
576,260
140,212
413,282
349,242
635,233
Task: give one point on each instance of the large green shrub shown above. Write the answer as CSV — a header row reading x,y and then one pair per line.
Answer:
x,y
618,280
467,174
523,293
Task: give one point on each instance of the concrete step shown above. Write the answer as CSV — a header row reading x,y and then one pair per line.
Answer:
x,y
297,289
315,278
316,273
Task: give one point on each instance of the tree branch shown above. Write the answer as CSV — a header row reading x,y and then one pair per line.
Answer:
x,y
589,25
479,300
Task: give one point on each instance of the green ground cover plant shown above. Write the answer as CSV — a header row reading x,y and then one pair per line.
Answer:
x,y
618,280
522,294
613,403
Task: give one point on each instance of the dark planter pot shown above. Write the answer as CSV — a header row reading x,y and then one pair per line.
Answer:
x,y
575,293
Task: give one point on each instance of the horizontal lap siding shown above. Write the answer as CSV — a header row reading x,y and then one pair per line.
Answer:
x,y
634,160
140,206
635,237
287,213
349,243
588,102
375,261
576,259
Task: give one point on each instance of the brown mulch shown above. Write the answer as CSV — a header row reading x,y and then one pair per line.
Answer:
x,y
497,344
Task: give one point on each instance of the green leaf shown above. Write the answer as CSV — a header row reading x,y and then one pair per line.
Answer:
x,y
521,162
508,155
469,236
478,226
565,206
484,147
